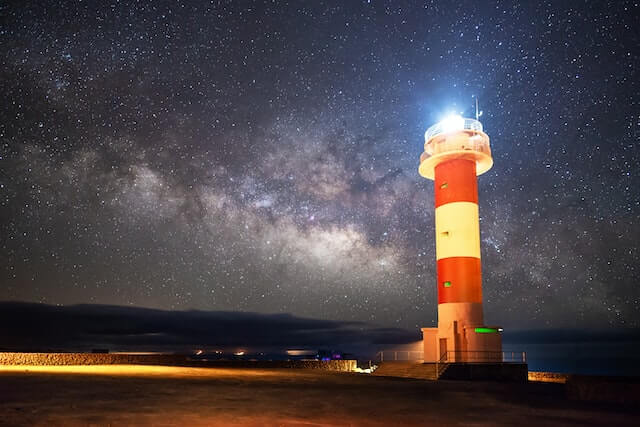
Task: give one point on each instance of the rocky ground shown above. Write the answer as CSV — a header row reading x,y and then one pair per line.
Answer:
x,y
164,396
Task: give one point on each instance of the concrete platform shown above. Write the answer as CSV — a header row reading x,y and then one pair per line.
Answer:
x,y
510,372
417,370
516,372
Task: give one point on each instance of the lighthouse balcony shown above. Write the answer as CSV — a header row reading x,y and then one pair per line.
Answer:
x,y
467,141
458,141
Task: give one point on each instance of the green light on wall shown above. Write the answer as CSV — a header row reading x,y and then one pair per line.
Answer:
x,y
447,284
486,331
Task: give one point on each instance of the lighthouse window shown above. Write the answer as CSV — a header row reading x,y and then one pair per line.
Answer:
x,y
444,185
447,284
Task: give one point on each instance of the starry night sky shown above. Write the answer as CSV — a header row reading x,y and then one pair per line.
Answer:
x,y
262,156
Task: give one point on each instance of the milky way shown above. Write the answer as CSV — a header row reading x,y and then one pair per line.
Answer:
x,y
262,156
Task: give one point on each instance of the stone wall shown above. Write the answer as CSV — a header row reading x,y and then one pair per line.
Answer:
x,y
167,360
330,365
91,359
548,377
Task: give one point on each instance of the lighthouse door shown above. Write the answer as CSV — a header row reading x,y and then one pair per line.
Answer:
x,y
443,349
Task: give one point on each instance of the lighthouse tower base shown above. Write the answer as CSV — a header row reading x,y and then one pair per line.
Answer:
x,y
456,343
471,353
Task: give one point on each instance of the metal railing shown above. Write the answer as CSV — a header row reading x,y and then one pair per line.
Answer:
x,y
473,356
399,356
443,145
446,126
453,356
441,365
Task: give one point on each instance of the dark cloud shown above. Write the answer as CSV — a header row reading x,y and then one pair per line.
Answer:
x,y
81,327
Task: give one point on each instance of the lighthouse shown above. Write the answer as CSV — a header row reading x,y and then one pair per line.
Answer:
x,y
456,151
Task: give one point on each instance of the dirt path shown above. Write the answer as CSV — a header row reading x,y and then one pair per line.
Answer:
x,y
166,396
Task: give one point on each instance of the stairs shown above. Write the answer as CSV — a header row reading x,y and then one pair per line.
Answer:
x,y
423,371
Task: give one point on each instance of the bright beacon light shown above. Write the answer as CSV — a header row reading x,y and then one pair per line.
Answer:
x,y
452,123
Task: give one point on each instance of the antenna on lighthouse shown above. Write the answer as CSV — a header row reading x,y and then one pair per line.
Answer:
x,y
477,112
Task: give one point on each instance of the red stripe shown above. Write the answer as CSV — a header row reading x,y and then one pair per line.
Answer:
x,y
464,275
455,181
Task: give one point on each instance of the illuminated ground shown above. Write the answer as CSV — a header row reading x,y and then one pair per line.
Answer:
x,y
124,395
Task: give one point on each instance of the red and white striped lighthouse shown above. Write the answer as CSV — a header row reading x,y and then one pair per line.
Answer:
x,y
456,150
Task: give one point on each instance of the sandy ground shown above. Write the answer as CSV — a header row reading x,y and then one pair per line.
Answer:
x,y
168,396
